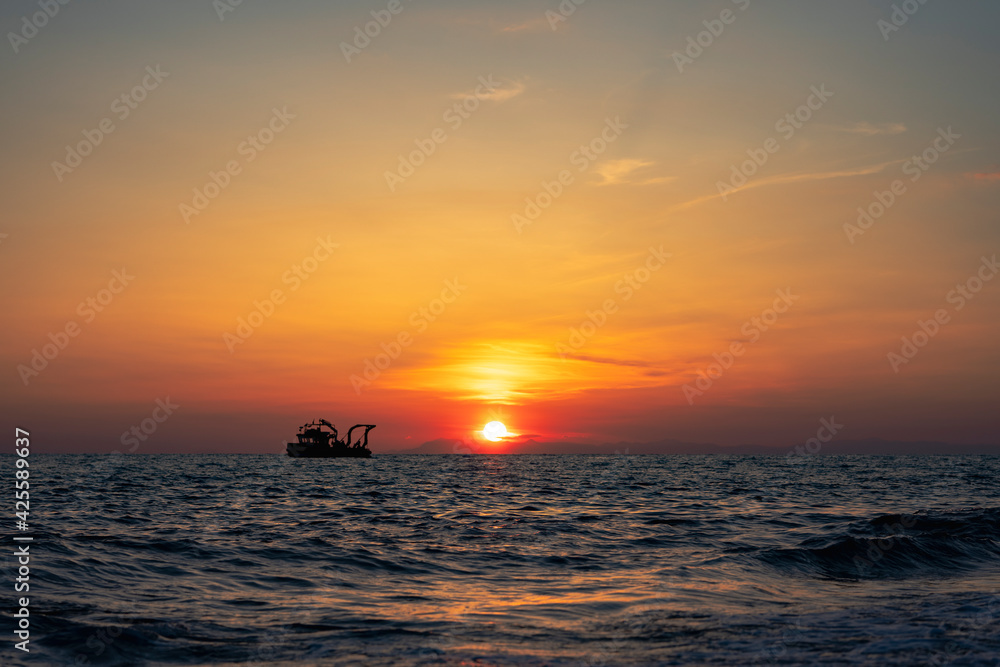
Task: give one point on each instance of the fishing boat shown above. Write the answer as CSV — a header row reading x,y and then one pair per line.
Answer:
x,y
319,440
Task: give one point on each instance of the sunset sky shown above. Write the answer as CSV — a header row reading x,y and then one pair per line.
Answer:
x,y
385,188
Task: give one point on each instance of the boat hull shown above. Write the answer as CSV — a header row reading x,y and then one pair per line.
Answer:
x,y
307,451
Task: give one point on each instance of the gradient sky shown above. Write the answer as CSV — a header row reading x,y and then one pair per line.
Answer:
x,y
492,353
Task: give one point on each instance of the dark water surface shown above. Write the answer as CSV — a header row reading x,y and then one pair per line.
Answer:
x,y
523,560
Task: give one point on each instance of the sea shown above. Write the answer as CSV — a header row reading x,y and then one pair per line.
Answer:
x,y
509,560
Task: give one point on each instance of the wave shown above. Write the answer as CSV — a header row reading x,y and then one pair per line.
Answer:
x,y
894,546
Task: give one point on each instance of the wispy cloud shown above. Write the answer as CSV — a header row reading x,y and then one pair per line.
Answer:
x,y
509,90
504,91
792,178
607,360
534,25
657,180
872,129
985,176
617,172
821,176
496,25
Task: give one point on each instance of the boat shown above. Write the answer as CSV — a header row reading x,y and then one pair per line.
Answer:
x,y
319,440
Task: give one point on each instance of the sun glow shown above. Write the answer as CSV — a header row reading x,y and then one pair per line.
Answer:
x,y
494,431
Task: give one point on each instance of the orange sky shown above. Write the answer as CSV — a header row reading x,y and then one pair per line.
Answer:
x,y
503,109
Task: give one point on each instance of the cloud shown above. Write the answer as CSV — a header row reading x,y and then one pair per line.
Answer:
x,y
821,176
659,179
616,172
534,25
494,25
871,130
793,178
607,360
500,93
513,89
985,177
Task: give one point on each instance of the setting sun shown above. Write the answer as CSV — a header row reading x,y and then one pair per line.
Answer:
x,y
494,431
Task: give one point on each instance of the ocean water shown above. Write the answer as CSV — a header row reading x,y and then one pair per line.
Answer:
x,y
521,560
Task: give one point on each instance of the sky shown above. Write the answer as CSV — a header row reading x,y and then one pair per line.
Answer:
x,y
608,222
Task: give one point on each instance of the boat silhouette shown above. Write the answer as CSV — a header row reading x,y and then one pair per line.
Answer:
x,y
319,440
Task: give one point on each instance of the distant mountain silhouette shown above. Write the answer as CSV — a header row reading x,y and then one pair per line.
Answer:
x,y
871,446
439,446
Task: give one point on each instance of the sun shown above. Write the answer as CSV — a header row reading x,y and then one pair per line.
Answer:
x,y
494,431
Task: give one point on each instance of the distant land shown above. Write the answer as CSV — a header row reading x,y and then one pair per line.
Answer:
x,y
873,446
